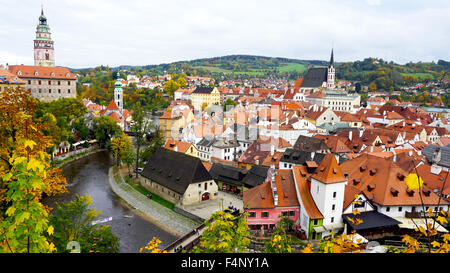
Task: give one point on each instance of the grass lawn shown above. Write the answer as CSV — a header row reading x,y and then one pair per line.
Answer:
x,y
155,197
287,67
292,67
419,75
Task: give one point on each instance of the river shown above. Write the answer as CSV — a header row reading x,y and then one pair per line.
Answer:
x,y
89,175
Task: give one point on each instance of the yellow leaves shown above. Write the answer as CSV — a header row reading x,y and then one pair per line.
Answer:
x,y
35,165
441,220
50,230
413,181
29,144
153,246
435,244
10,211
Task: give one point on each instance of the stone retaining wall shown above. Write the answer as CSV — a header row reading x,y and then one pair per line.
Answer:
x,y
166,218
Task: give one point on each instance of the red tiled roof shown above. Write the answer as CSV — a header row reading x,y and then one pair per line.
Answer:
x,y
112,106
329,171
304,191
44,72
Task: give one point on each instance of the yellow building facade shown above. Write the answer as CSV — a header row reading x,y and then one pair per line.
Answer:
x,y
203,97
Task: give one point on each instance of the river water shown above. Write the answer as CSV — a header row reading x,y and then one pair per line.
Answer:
x,y
89,175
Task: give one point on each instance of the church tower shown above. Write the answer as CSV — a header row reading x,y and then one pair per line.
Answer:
x,y
43,45
331,73
118,94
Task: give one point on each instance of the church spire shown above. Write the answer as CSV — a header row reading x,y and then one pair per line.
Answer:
x,y
332,58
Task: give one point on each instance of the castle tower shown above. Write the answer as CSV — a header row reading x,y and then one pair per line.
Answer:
x,y
118,94
327,190
331,73
43,44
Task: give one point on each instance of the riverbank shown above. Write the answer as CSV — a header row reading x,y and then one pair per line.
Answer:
x,y
165,218
61,163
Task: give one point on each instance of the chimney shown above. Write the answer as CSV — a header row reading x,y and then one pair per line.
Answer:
x,y
350,135
395,156
272,150
175,148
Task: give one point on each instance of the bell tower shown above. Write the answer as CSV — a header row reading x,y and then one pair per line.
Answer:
x,y
43,44
118,94
331,78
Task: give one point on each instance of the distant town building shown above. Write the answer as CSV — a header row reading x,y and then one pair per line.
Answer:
x,y
9,81
203,97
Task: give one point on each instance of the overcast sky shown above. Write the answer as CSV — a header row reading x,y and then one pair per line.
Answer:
x,y
89,33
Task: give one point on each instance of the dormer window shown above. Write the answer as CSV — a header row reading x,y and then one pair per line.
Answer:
x,y
19,73
36,73
53,74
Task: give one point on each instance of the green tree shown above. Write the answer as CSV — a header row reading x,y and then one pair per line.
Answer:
x,y
141,127
104,129
154,140
73,221
122,148
170,87
225,233
26,219
229,103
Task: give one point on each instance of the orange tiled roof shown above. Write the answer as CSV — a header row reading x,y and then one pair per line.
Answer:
x,y
308,203
9,77
44,72
329,171
182,146
382,181
115,117
259,197
112,106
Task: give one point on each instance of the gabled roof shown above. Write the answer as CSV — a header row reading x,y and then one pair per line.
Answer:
x,y
310,144
203,90
308,203
315,77
261,196
175,171
228,174
370,220
329,171
43,72
112,106
382,181
182,146
255,176
9,78
300,157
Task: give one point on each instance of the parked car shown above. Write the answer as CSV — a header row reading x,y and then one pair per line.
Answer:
x,y
138,170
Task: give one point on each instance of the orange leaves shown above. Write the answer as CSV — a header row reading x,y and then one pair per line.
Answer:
x,y
308,249
355,221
